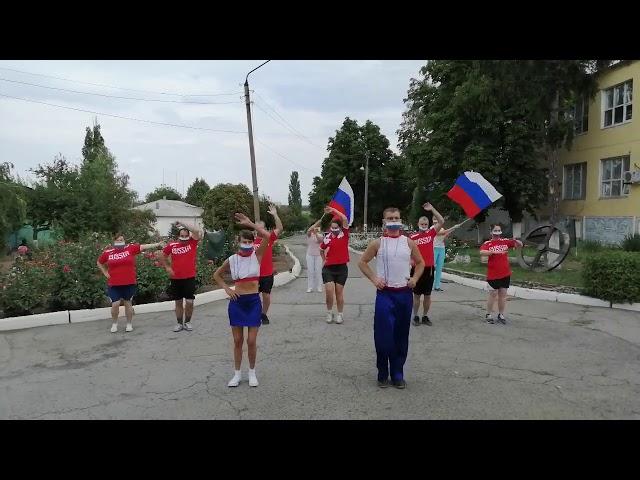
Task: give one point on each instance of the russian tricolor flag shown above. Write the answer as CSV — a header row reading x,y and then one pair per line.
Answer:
x,y
343,200
473,193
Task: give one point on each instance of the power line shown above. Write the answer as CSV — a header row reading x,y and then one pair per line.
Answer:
x,y
291,127
121,88
283,156
115,96
121,116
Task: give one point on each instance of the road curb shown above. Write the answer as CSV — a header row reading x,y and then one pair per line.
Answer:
x,y
90,315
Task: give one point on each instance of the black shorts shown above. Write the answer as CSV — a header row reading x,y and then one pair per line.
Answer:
x,y
500,283
265,284
335,273
182,288
424,285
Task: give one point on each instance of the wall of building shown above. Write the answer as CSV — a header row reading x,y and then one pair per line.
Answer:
x,y
163,224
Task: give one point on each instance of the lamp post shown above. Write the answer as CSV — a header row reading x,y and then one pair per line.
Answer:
x,y
256,202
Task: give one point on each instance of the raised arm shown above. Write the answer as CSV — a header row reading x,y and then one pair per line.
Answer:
x,y
363,264
315,225
196,233
217,276
244,221
338,213
149,246
430,208
279,227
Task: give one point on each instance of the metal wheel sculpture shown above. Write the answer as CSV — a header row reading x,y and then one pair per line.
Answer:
x,y
536,242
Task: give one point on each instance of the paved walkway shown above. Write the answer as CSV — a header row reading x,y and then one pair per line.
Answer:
x,y
553,361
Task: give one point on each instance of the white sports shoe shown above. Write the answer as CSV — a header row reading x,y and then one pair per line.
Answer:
x,y
114,328
235,381
253,380
129,328
309,290
320,290
188,327
339,318
178,328
329,317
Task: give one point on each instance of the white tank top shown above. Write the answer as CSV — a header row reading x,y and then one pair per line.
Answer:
x,y
393,261
438,241
244,267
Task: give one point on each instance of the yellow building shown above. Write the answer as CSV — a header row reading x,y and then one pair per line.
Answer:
x,y
601,172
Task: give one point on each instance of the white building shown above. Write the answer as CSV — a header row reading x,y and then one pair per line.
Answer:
x,y
170,211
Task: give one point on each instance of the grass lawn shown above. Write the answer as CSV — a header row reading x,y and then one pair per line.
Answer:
x,y
569,274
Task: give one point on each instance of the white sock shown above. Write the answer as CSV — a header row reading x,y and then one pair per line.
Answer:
x,y
252,371
238,373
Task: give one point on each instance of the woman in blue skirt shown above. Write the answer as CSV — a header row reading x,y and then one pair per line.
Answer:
x,y
245,308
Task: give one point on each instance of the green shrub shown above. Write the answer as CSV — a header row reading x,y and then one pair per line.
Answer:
x,y
613,276
153,279
23,289
452,247
631,243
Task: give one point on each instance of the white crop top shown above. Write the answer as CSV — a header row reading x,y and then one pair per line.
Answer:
x,y
244,268
393,261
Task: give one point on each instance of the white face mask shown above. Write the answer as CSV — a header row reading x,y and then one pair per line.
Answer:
x,y
335,230
497,233
183,239
118,244
423,228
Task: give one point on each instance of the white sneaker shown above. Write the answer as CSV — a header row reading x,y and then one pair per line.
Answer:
x,y
129,328
235,381
339,318
178,328
329,317
114,328
309,290
320,290
188,327
253,380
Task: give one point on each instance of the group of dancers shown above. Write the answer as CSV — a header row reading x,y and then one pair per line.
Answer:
x,y
407,269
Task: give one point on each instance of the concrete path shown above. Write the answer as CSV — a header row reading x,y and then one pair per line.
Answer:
x,y
552,361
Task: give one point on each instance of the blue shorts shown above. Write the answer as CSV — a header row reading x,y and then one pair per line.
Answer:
x,y
121,292
246,311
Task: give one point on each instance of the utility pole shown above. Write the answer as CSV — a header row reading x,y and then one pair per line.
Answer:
x,y
256,202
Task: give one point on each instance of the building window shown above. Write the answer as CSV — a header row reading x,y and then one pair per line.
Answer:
x,y
575,181
617,104
613,170
581,116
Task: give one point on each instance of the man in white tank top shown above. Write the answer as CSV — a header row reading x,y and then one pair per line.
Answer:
x,y
394,298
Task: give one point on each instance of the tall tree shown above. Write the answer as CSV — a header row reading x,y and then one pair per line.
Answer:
x,y
348,152
161,192
93,143
197,191
295,197
222,201
12,202
493,117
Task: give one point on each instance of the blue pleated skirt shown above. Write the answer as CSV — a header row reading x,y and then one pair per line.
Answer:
x,y
246,311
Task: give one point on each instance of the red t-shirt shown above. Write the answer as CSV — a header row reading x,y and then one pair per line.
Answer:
x,y
338,245
424,241
498,263
121,264
183,258
266,265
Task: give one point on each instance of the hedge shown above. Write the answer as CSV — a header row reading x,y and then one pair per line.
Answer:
x,y
613,276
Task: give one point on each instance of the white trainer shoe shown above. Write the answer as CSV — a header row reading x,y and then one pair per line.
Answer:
x,y
178,328
114,328
235,381
253,380
329,317
339,318
320,290
309,290
129,328
188,327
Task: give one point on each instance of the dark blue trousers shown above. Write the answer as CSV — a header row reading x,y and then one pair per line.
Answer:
x,y
391,331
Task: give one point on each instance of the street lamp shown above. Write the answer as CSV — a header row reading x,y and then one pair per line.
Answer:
x,y
256,202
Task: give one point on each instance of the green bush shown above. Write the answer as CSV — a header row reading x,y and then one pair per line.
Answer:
x,y
153,279
452,247
613,276
631,243
23,289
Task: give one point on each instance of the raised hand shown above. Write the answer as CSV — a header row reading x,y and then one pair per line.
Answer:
x,y
428,207
272,210
328,210
243,220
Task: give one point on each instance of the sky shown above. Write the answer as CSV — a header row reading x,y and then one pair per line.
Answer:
x,y
297,106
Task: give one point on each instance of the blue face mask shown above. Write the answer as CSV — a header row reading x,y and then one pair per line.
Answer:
x,y
393,225
246,248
